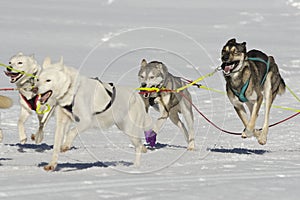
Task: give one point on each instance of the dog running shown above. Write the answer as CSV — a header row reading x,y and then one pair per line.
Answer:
x,y
170,105
90,103
22,71
251,77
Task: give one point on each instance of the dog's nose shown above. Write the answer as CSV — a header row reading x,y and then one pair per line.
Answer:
x,y
35,90
143,84
9,69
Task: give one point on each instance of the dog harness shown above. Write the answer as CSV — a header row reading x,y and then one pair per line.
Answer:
x,y
32,103
111,94
241,95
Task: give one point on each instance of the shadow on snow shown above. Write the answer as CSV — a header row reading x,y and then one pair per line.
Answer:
x,y
81,166
239,151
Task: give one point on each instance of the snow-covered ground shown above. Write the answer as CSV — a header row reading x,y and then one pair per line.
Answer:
x,y
109,39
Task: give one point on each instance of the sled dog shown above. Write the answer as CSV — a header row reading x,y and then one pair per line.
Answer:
x,y
22,71
250,77
169,104
5,102
90,103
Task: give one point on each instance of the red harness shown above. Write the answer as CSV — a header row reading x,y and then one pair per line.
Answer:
x,y
32,103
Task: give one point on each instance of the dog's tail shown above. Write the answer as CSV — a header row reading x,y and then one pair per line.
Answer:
x,y
5,102
281,88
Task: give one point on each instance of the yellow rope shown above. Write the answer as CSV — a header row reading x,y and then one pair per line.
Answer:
x,y
18,71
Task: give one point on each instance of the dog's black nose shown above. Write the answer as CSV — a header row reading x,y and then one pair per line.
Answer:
x,y
9,69
143,84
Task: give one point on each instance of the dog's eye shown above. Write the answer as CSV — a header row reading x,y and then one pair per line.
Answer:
x,y
37,79
9,63
152,77
48,80
142,77
20,63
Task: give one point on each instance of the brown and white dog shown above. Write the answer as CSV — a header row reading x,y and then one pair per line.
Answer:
x,y
251,77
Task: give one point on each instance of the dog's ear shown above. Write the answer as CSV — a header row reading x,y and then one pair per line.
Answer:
x,y
244,47
162,68
47,62
32,56
232,41
143,63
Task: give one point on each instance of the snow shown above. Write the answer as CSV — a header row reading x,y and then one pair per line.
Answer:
x,y
109,38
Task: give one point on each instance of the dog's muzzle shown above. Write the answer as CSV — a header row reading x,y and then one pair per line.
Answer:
x,y
227,67
14,76
147,94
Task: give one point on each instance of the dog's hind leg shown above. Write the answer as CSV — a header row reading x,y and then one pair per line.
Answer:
x,y
188,135
139,149
70,135
262,138
133,130
24,114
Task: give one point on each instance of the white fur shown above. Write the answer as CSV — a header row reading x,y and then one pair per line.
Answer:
x,y
29,65
89,96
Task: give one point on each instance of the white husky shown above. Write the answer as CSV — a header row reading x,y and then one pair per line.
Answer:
x,y
90,103
22,71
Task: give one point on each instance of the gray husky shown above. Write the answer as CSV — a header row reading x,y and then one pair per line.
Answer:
x,y
250,77
169,104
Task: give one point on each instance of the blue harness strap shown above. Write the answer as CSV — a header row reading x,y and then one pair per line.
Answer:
x,y
241,95
268,67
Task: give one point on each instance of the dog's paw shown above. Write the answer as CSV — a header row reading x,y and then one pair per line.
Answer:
x,y
191,146
64,148
247,133
38,138
23,141
144,149
50,167
262,139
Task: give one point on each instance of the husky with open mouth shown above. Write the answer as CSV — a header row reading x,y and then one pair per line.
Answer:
x,y
22,71
251,77
90,103
170,105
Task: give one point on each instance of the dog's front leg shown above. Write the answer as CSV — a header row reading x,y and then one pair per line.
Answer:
x,y
164,114
39,136
249,131
62,122
241,111
24,114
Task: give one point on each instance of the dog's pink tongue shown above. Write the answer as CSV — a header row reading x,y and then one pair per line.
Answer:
x,y
227,68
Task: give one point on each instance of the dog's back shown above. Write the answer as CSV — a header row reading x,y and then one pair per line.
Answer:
x,y
261,61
